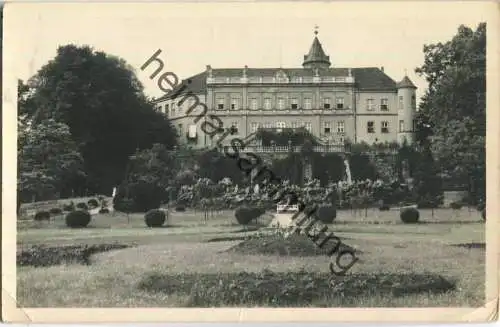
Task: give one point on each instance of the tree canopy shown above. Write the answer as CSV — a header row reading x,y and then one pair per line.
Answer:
x,y
455,103
101,100
48,160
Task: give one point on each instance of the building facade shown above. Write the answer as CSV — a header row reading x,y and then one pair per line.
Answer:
x,y
334,104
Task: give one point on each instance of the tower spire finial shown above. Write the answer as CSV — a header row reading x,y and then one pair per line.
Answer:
x,y
406,72
316,27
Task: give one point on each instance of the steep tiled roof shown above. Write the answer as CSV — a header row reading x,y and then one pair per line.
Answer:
x,y
406,82
370,78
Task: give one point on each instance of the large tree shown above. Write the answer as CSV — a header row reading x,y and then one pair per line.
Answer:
x,y
456,104
101,100
48,161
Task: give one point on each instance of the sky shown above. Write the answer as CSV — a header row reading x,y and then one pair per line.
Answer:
x,y
235,34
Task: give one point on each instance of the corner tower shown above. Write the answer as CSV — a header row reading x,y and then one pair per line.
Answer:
x,y
316,58
407,108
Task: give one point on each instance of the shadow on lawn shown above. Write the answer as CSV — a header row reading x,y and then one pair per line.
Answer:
x,y
481,246
288,289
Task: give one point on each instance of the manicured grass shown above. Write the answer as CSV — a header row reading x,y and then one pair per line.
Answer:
x,y
183,250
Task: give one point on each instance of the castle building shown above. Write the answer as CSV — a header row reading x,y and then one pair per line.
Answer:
x,y
335,104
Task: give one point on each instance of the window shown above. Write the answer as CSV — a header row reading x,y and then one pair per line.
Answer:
x,y
234,104
254,127
167,110
307,103
268,125
370,105
340,103
235,126
414,125
267,103
385,127
400,105
413,102
326,127
401,126
280,125
326,103
220,103
179,127
295,124
254,104
341,140
172,109
370,127
281,103
308,127
294,103
384,104
340,127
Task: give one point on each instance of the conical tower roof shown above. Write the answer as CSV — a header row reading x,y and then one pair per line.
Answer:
x,y
316,56
406,83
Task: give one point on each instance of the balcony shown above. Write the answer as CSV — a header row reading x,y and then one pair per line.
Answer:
x,y
334,148
273,80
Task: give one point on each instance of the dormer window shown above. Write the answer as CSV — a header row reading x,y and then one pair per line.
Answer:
x,y
281,77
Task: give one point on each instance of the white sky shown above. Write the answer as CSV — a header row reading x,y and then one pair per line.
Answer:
x,y
224,35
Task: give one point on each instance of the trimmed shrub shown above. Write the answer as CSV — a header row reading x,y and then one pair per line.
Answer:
x,y
456,205
78,219
155,218
125,205
384,207
82,206
326,213
93,203
69,207
245,214
104,210
409,215
42,215
180,208
145,196
55,211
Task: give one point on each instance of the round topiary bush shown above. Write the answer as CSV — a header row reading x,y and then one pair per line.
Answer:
x,y
409,215
55,211
93,203
180,208
245,214
82,206
42,215
326,213
78,219
155,218
456,205
69,207
104,210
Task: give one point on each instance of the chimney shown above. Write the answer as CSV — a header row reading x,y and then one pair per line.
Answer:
x,y
382,69
245,71
349,73
209,71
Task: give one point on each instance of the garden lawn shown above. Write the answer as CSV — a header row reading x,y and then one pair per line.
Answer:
x,y
117,278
